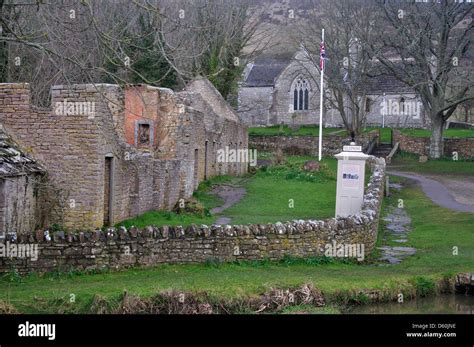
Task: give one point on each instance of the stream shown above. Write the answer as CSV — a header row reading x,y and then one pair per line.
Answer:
x,y
447,304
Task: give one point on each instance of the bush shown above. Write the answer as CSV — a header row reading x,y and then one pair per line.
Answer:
x,y
191,206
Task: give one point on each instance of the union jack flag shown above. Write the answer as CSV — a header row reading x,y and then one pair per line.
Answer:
x,y
322,55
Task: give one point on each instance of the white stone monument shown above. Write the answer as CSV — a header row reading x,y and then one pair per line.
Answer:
x,y
350,180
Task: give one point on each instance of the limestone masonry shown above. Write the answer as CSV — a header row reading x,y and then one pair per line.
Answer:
x,y
308,145
464,147
124,248
112,153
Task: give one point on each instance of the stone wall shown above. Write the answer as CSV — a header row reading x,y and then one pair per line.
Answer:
x,y
254,105
18,203
196,244
308,145
464,147
420,145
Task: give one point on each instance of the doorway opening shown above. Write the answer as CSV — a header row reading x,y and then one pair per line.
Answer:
x,y
205,160
108,190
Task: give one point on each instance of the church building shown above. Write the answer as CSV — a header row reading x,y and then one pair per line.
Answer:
x,y
284,89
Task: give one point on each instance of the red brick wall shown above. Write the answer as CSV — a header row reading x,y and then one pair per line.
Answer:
x,y
140,104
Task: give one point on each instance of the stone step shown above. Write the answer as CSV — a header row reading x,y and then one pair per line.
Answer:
x,y
382,150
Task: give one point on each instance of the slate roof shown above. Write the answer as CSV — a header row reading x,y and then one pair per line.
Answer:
x,y
13,162
386,83
265,70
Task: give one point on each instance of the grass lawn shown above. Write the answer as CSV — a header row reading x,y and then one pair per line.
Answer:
x,y
277,193
285,192
409,162
312,130
435,231
385,133
446,133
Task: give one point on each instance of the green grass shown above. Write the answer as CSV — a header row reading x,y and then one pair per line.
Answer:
x,y
435,231
202,196
312,130
268,197
446,133
286,192
159,218
409,162
385,133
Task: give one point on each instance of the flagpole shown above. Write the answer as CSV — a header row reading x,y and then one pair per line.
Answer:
x,y
321,107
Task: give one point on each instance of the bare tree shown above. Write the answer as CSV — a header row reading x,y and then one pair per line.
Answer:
x,y
424,45
348,64
152,41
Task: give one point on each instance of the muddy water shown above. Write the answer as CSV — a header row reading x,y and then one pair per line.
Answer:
x,y
454,304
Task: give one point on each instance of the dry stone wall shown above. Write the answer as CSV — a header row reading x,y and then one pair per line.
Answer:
x,y
420,145
123,248
308,145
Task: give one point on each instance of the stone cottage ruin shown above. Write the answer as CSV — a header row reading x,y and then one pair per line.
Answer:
x,y
113,153
20,180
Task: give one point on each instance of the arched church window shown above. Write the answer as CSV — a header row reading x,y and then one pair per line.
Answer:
x,y
300,94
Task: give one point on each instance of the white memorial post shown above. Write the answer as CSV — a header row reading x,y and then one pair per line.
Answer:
x,y
350,180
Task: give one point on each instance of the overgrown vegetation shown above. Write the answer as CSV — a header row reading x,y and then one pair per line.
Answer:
x,y
292,169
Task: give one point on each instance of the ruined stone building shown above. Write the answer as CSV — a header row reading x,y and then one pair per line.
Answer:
x,y
20,178
112,153
285,89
